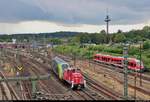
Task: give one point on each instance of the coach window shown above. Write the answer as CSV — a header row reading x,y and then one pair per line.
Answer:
x,y
131,64
119,61
105,59
134,65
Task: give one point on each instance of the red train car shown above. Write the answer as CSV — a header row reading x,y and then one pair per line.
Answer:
x,y
133,63
75,78
71,75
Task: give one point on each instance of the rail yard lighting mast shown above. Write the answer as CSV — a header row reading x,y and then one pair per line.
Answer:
x,y
107,20
125,53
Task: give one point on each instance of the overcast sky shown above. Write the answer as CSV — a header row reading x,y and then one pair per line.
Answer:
x,y
23,16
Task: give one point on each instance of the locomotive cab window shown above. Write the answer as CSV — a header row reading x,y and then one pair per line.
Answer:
x,y
64,66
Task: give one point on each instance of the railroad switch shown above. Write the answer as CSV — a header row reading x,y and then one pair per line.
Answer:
x,y
94,94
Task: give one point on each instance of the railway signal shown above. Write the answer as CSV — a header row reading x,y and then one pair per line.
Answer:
x,y
19,68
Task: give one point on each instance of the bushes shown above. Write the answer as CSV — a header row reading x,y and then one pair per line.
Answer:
x,y
96,48
146,44
113,50
133,50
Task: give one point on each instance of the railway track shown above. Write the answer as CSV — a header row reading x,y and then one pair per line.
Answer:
x,y
102,89
108,69
27,89
112,68
105,92
23,85
7,90
141,89
85,94
96,86
144,77
45,84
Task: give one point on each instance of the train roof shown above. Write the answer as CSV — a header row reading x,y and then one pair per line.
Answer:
x,y
118,57
59,60
103,55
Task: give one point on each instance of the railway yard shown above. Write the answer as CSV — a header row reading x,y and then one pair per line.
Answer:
x,y
27,74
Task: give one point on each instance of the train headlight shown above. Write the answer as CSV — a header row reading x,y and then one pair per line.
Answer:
x,y
72,84
84,83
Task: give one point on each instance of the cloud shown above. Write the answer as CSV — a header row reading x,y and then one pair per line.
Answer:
x,y
18,16
17,11
75,11
43,26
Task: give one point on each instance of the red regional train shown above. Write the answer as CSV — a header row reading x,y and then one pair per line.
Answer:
x,y
68,74
133,63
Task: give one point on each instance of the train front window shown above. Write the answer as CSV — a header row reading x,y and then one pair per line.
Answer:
x,y
64,66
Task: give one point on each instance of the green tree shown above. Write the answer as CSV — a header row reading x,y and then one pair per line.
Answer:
x,y
97,38
137,38
146,44
55,41
119,31
103,32
84,38
119,38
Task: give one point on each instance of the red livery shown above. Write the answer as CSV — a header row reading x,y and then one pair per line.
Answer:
x,y
65,72
14,46
133,63
74,77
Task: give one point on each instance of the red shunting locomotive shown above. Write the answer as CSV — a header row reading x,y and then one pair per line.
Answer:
x,y
71,75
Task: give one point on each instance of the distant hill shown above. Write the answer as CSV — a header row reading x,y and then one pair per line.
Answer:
x,y
37,36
